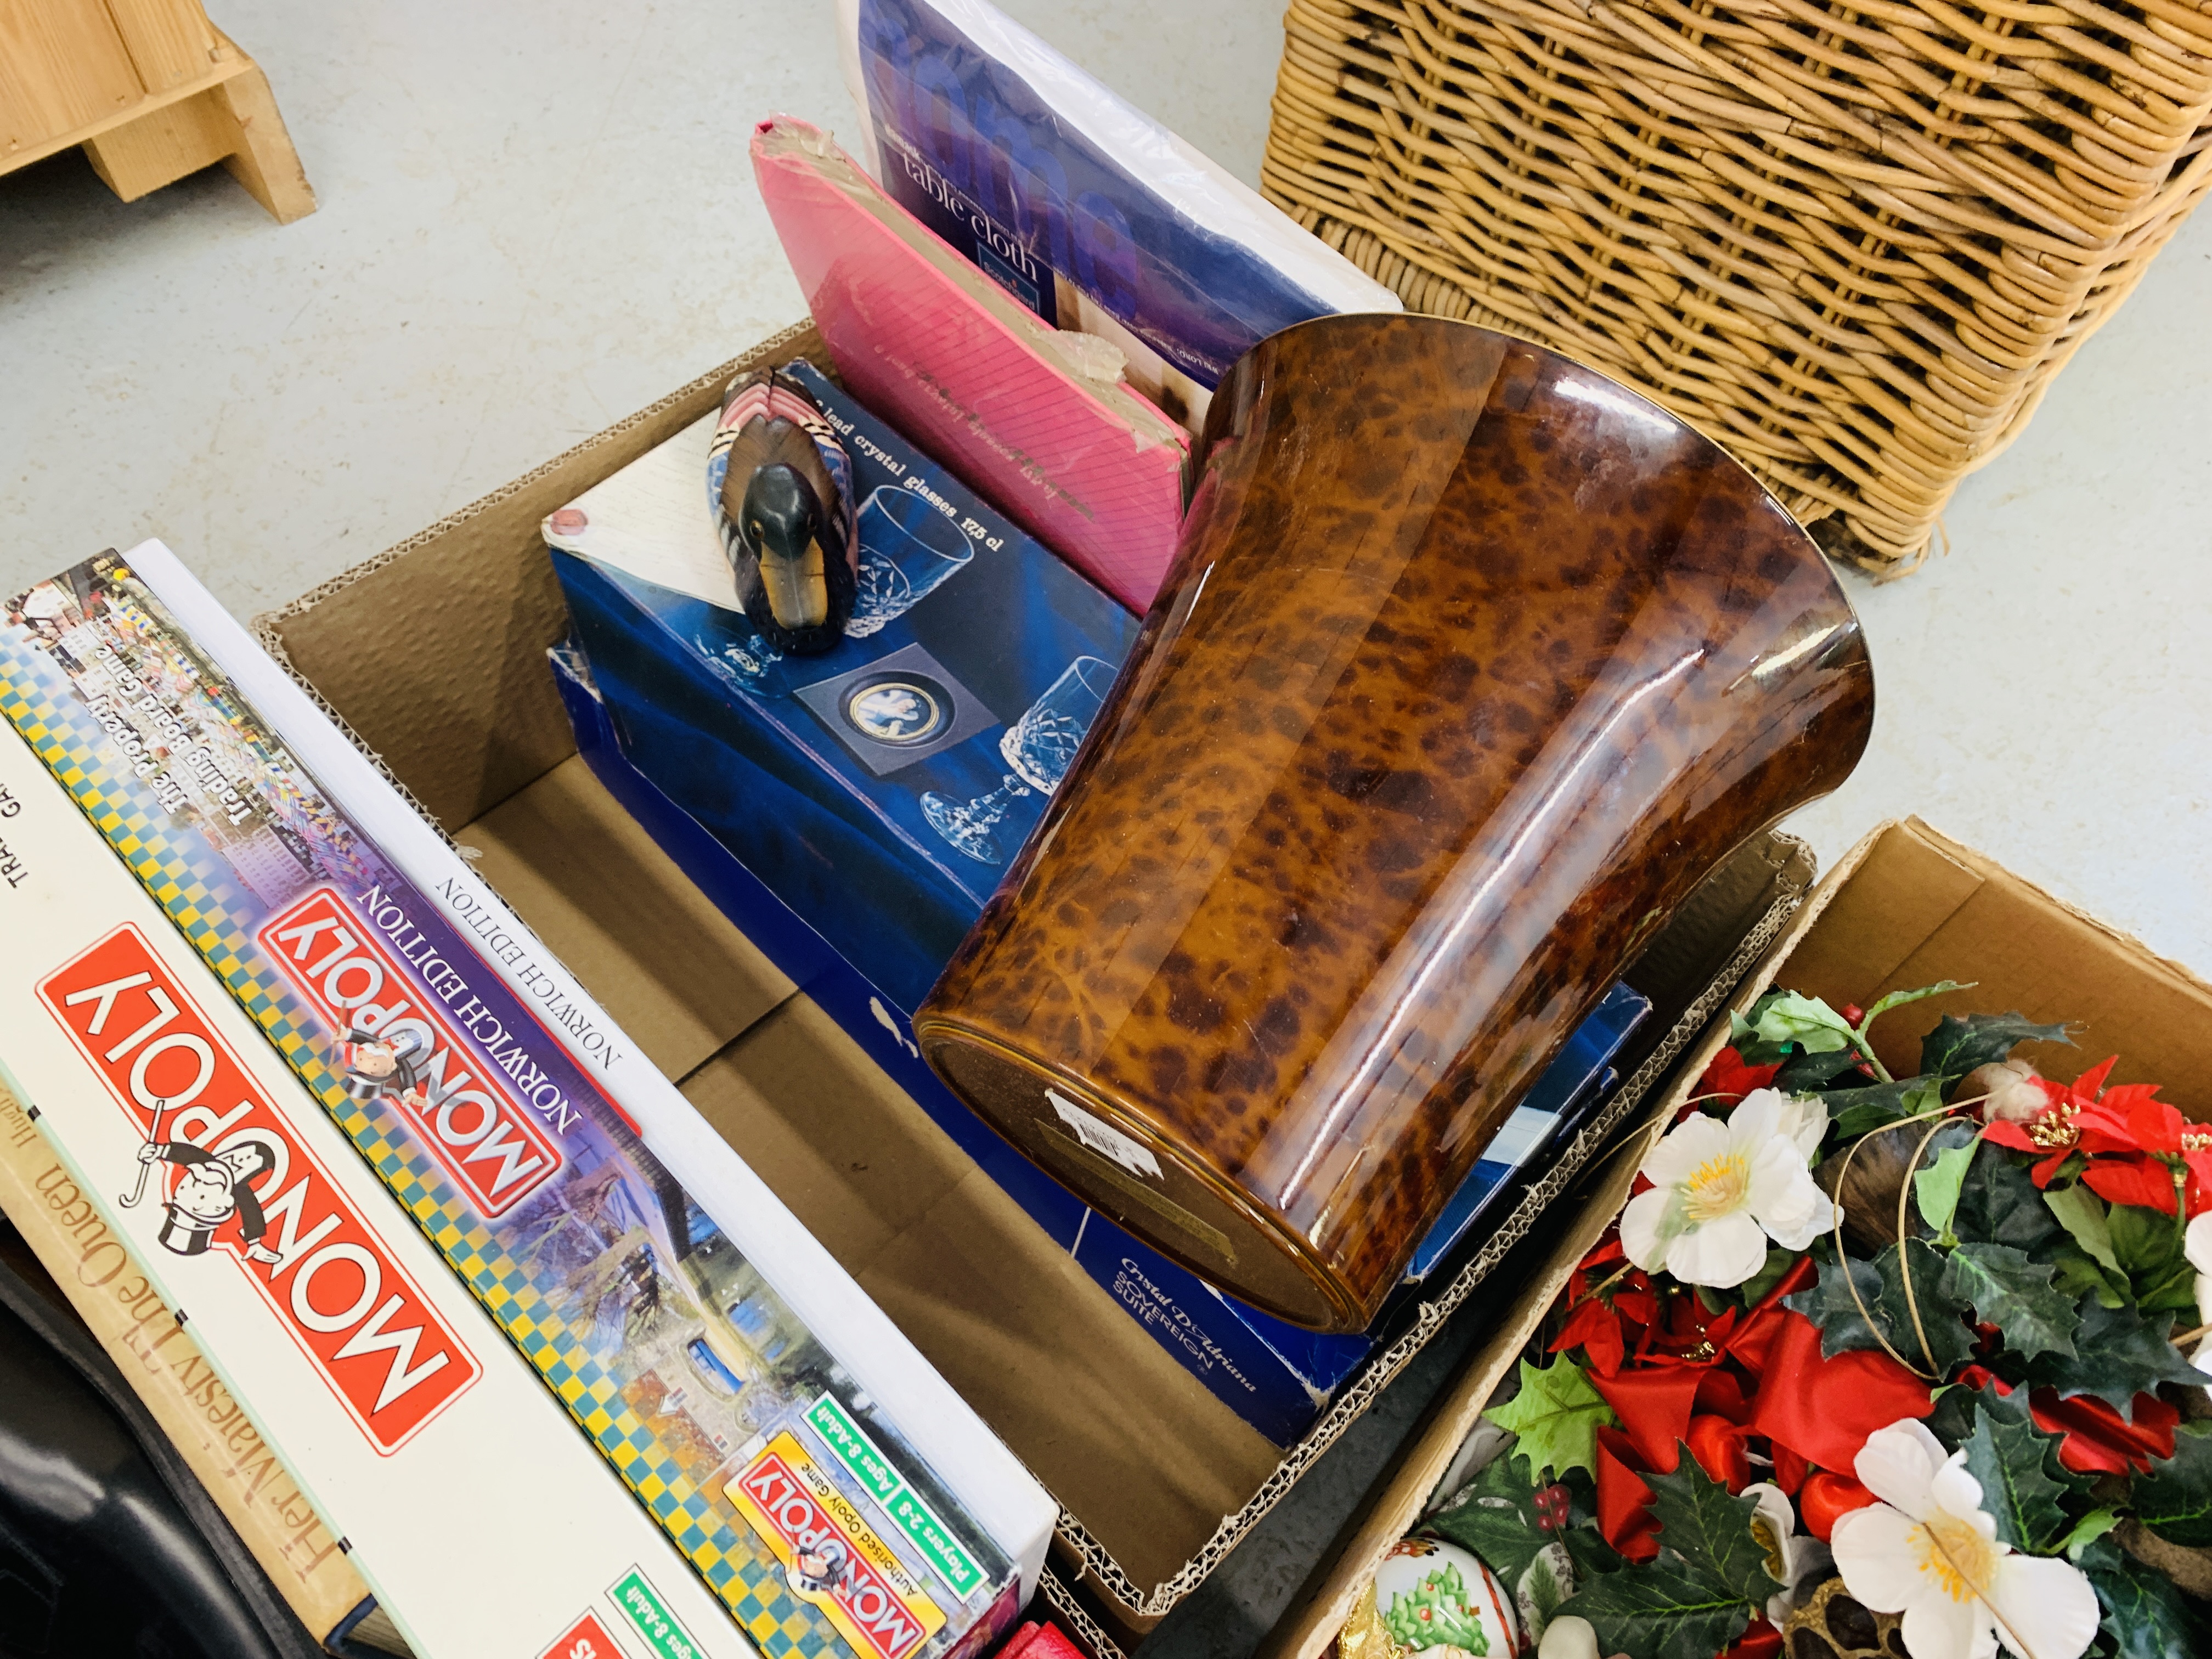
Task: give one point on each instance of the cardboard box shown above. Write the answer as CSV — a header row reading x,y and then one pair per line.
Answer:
x,y
435,653
1905,907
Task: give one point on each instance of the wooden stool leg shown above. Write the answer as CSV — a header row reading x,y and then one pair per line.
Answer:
x,y
234,122
163,145
262,158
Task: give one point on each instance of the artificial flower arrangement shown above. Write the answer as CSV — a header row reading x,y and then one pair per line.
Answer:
x,y
1867,1366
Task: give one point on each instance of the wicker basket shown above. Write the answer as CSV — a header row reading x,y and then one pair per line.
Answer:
x,y
1852,242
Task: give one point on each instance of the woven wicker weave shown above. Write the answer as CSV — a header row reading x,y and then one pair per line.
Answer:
x,y
1853,242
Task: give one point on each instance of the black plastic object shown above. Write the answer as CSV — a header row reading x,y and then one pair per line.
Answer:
x,y
109,1545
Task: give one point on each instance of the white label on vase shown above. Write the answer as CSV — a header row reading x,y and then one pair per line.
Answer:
x,y
1103,1138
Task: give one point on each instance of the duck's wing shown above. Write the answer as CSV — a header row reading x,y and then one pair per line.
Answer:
x,y
770,442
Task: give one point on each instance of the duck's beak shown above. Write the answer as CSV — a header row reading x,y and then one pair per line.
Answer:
x,y
781,520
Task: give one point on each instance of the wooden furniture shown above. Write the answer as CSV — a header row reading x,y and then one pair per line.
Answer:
x,y
151,89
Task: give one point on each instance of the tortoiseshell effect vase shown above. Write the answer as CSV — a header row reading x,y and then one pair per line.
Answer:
x,y
1471,664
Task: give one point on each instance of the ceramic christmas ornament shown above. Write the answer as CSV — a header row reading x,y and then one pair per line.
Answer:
x,y
1432,1599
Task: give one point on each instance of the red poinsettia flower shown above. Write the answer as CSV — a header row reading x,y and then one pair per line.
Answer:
x,y
1728,1079
2140,1150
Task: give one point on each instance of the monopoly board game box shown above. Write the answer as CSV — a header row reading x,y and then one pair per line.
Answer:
x,y
858,863
810,1472
434,656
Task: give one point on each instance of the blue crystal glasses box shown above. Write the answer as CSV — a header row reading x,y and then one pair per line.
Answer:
x,y
851,812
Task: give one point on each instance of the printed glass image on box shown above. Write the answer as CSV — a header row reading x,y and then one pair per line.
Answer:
x,y
804,1510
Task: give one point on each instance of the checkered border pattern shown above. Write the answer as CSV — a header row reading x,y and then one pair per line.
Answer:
x,y
184,876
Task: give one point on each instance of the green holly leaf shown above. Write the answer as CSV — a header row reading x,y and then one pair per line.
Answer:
x,y
1806,1021
2144,1614
2123,1353
1958,1045
1830,1305
1665,1609
2174,1500
1808,1073
2007,1457
1880,1284
1862,1111
2006,1289
1711,1530
1557,1415
2001,1204
1494,1520
1935,1188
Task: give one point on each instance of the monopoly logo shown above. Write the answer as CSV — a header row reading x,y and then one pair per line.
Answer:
x,y
489,1141
231,1179
830,1556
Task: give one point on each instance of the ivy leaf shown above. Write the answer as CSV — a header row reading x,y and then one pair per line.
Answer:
x,y
2122,1352
1935,1188
1958,1045
2007,1458
1898,999
1557,1415
2144,1614
1881,1286
1666,1609
1711,1530
2006,1290
1806,1021
2174,1500
2001,1204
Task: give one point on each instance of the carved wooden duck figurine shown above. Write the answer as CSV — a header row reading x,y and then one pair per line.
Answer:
x,y
787,513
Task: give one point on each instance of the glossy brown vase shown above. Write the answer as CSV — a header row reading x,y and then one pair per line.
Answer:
x,y
1471,663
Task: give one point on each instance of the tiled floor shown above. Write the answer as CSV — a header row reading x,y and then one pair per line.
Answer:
x,y
538,216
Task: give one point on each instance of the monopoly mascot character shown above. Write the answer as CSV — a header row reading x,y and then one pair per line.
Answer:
x,y
211,1187
378,1066
819,1567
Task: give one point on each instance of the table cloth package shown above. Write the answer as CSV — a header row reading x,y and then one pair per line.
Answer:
x,y
435,654
1907,908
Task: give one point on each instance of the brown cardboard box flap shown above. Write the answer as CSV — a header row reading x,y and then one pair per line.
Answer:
x,y
1905,907
438,664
